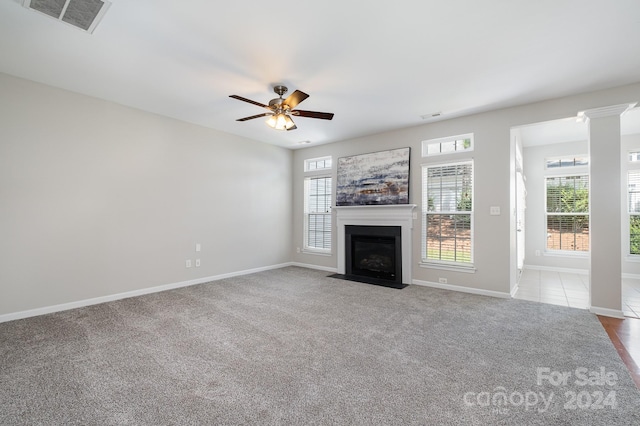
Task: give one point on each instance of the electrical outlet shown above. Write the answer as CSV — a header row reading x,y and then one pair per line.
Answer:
x,y
298,250
188,263
537,252
442,280
197,263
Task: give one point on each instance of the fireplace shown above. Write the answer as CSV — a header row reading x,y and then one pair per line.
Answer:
x,y
374,252
380,217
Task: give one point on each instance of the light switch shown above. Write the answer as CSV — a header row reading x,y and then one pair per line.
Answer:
x,y
198,247
494,210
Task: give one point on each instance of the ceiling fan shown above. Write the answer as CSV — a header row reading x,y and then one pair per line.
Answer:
x,y
281,110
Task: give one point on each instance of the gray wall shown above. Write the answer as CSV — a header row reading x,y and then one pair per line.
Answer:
x,y
98,199
494,171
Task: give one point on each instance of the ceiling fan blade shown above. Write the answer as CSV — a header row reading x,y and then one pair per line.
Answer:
x,y
313,114
295,98
254,116
240,98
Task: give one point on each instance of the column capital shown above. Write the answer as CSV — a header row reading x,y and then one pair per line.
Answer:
x,y
606,111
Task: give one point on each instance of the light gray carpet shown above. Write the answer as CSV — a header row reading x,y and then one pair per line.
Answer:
x,y
292,346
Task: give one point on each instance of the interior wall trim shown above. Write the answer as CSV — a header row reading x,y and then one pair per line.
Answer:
x,y
555,269
631,276
613,313
112,297
514,290
479,291
317,267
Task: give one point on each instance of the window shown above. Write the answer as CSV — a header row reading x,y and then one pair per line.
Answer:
x,y
567,213
447,145
448,213
318,213
564,162
317,205
633,201
312,164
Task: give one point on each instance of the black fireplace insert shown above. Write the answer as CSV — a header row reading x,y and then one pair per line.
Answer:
x,y
373,254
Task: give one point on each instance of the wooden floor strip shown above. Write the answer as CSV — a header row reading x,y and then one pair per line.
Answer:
x,y
625,336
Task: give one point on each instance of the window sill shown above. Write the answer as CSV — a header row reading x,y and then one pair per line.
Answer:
x,y
317,252
632,258
560,253
467,268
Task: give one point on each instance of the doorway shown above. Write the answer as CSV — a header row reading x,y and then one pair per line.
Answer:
x,y
544,270
521,205
630,164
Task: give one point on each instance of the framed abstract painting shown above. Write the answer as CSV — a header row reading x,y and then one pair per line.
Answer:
x,y
377,178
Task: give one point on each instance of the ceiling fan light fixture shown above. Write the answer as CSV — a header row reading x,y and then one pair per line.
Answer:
x,y
288,122
280,122
280,110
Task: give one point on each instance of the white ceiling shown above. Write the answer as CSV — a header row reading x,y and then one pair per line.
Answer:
x,y
572,130
556,131
377,65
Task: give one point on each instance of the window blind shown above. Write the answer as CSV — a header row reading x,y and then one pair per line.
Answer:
x,y
448,212
633,208
318,213
567,207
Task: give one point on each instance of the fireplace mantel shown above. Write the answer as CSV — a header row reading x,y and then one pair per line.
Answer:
x,y
387,215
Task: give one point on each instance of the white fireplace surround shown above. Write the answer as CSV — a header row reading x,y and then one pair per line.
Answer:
x,y
387,215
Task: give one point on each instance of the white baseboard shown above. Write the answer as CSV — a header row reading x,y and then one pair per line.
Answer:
x,y
125,295
319,268
574,271
502,295
613,313
631,276
514,290
555,269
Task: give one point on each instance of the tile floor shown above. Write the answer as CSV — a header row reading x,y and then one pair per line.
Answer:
x,y
631,297
568,289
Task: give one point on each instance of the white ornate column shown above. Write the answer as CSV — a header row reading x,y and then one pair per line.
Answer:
x,y
605,205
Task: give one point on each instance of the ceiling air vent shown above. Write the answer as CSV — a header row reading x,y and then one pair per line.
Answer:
x,y
83,14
